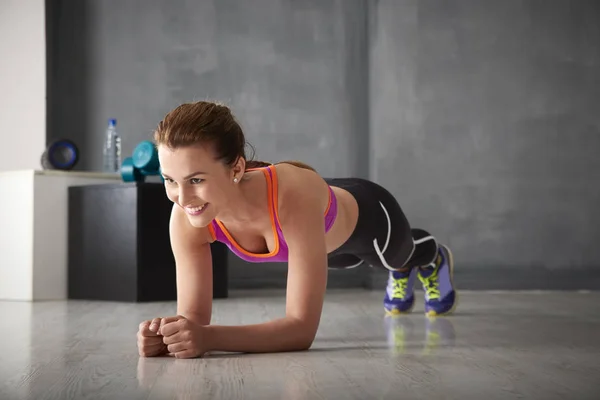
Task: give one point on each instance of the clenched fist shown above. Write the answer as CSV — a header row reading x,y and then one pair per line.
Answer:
x,y
184,338
149,340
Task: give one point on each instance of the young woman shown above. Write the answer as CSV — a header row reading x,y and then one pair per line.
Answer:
x,y
283,212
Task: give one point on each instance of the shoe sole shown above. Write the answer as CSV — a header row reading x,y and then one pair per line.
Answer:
x,y
451,265
395,311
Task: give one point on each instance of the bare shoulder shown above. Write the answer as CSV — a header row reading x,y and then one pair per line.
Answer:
x,y
292,175
299,188
185,236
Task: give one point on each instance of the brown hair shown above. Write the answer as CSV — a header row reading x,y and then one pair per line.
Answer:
x,y
210,123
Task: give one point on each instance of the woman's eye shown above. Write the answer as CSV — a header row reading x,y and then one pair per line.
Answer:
x,y
195,180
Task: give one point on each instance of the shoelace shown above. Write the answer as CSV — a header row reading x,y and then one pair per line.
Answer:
x,y
431,285
400,286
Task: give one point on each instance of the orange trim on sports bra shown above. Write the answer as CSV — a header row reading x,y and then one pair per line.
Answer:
x,y
273,195
273,227
328,203
211,230
275,192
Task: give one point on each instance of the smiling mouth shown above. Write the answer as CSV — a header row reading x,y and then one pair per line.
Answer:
x,y
196,210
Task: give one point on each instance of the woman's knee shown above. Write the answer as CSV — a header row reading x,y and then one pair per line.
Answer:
x,y
425,249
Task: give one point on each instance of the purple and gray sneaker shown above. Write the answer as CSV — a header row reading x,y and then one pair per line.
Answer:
x,y
399,294
437,280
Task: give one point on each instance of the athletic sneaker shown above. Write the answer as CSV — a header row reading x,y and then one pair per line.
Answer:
x,y
399,294
437,280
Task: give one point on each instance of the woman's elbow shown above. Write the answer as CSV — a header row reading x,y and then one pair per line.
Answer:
x,y
301,345
304,333
304,341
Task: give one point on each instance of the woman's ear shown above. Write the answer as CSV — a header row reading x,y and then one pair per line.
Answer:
x,y
238,169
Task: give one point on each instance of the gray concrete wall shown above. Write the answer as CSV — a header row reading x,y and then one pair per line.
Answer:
x,y
480,116
485,125
294,72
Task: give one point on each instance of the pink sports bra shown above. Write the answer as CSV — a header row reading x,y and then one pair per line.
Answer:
x,y
280,253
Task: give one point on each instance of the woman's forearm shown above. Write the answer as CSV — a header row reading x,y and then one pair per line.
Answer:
x,y
285,334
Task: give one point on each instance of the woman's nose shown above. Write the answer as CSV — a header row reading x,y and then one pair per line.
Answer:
x,y
185,195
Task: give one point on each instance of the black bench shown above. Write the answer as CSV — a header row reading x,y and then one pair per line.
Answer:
x,y
119,245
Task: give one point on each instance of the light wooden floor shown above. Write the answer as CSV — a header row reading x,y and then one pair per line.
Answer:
x,y
496,346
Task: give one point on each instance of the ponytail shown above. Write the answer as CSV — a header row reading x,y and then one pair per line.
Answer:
x,y
261,164
256,164
298,164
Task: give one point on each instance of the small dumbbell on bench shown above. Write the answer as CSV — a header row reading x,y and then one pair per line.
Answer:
x,y
143,162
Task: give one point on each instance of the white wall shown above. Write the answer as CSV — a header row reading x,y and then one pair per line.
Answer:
x,y
34,241
22,83
16,235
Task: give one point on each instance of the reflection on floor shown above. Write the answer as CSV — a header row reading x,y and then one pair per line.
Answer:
x,y
496,346
439,333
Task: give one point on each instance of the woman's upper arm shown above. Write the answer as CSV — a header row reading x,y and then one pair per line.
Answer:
x,y
302,222
193,261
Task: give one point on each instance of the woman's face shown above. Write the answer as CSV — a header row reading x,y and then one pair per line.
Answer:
x,y
197,182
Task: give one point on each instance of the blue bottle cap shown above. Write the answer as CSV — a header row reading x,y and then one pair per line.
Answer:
x,y
112,122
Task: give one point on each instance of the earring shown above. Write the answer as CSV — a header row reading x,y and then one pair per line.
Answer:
x,y
235,180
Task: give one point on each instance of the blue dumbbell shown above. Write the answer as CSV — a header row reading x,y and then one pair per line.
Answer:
x,y
143,162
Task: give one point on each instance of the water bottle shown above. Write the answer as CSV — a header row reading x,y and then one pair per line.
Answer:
x,y
112,148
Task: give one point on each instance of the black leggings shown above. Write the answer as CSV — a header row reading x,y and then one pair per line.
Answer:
x,y
383,237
